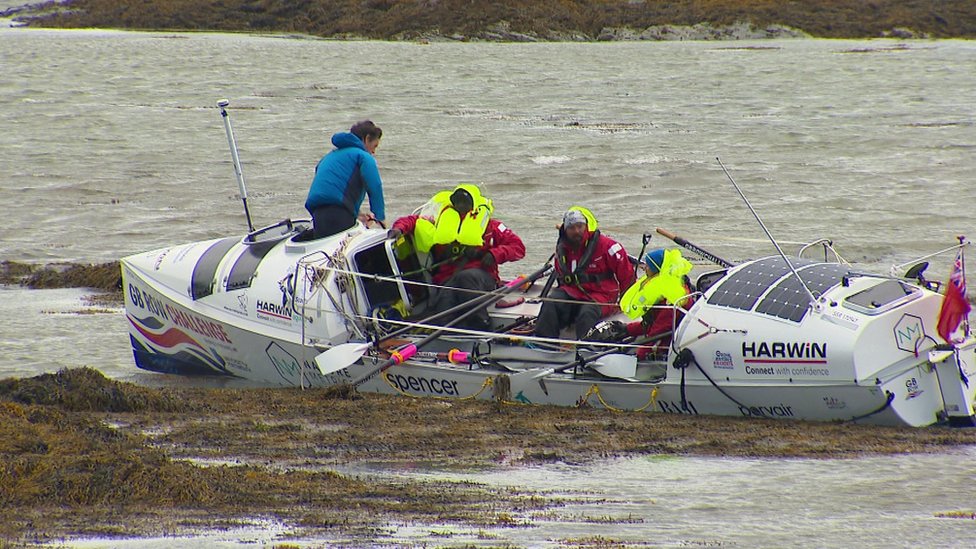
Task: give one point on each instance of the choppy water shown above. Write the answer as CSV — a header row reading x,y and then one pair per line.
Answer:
x,y
112,144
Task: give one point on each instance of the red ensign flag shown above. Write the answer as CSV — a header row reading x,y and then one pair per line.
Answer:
x,y
955,306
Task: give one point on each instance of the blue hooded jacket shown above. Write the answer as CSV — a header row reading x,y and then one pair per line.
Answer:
x,y
345,176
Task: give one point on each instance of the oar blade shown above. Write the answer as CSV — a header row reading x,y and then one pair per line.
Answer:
x,y
523,379
339,357
616,365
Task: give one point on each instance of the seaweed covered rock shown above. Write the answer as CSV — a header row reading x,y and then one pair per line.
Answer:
x,y
104,276
86,389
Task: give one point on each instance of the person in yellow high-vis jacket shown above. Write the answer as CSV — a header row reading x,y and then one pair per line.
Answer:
x,y
652,300
466,245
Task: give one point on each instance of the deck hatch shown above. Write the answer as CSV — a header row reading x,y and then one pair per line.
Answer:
x,y
883,297
246,265
202,280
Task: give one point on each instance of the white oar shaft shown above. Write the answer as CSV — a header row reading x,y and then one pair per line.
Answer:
x,y
342,356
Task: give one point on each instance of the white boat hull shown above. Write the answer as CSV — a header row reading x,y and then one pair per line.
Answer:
x,y
192,312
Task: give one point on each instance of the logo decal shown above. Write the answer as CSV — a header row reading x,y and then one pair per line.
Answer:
x,y
723,361
913,389
173,341
908,332
784,352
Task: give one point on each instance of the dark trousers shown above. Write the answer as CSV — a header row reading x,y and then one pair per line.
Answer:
x,y
331,219
478,282
554,316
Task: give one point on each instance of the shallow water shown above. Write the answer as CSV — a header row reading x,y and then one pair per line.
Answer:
x,y
674,501
113,145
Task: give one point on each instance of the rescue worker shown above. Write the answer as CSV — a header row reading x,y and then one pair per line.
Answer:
x,y
590,267
652,299
466,245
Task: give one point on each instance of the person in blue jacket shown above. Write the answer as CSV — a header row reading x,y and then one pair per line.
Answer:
x,y
342,180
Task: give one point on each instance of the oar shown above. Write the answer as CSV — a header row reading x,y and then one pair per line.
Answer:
x,y
341,356
541,373
689,246
404,353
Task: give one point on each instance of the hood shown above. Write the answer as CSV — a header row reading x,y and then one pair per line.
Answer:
x,y
343,140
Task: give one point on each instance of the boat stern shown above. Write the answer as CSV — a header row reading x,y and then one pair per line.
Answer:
x,y
955,369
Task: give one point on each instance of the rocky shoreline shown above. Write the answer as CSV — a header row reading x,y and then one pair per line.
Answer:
x,y
519,20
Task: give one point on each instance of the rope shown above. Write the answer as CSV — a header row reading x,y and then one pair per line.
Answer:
x,y
713,330
595,390
689,357
681,361
513,337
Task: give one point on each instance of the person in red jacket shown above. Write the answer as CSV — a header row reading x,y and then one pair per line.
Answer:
x,y
471,268
590,267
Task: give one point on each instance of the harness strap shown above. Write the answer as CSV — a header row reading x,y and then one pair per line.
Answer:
x,y
578,276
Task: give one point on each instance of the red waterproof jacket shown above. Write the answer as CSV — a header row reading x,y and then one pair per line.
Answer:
x,y
499,240
607,273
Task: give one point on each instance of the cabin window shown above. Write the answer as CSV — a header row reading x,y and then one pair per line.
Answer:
x,y
374,261
394,264
882,297
415,276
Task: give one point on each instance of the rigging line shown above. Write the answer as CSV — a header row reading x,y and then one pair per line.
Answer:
x,y
924,257
813,300
690,357
513,337
310,273
889,398
384,278
666,306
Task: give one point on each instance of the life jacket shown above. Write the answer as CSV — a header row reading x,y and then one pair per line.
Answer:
x,y
668,284
448,225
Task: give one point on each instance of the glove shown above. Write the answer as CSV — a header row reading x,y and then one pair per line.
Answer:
x,y
618,329
608,330
472,253
394,234
488,260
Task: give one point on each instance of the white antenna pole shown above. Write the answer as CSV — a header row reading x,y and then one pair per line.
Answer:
x,y
813,300
237,160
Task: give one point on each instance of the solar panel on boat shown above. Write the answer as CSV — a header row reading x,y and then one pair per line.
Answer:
x,y
789,301
786,298
741,289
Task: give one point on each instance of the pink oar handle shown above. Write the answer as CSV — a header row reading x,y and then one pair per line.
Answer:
x,y
401,355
